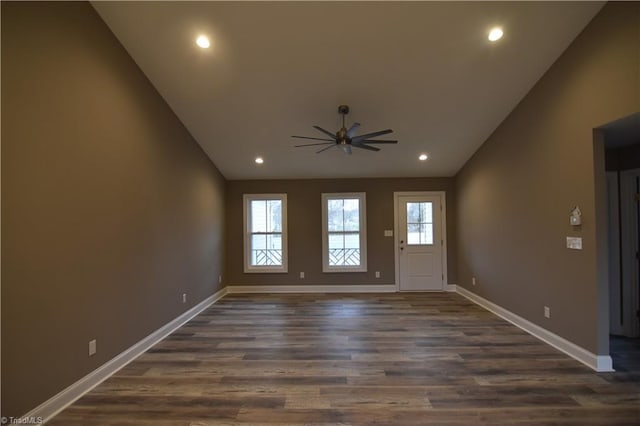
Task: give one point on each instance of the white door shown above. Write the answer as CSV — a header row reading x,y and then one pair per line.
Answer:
x,y
419,240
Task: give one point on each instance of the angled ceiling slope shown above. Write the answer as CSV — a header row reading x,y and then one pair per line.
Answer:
x,y
274,69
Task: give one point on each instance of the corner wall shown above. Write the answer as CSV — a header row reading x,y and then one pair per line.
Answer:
x,y
110,210
515,194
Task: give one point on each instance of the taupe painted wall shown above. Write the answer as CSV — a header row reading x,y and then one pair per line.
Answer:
x,y
304,209
110,210
516,192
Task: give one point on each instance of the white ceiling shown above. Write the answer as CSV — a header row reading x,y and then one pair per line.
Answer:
x,y
424,69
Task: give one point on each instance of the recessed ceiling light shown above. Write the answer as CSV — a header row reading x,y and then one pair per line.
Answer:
x,y
495,34
203,41
259,160
423,157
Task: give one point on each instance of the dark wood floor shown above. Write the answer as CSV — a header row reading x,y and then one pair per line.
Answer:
x,y
402,359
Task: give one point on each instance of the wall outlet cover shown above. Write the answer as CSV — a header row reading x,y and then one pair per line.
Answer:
x,y
93,347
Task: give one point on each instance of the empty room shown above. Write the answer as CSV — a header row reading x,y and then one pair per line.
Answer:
x,y
320,212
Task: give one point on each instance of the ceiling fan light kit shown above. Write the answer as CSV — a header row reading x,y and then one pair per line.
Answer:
x,y
346,139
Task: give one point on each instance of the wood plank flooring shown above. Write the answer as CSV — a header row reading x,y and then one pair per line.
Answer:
x,y
403,359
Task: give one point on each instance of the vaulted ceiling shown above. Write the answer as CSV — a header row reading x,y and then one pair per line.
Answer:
x,y
274,69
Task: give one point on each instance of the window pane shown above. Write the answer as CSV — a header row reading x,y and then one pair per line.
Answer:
x,y
427,212
266,250
352,240
336,241
274,216
274,241
420,223
335,216
344,257
426,233
413,212
258,242
413,233
273,254
258,247
344,249
351,215
258,216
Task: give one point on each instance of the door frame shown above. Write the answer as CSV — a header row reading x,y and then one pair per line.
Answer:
x,y
443,230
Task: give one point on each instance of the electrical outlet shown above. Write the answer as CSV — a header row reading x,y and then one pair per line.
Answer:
x,y
301,275
547,312
473,280
92,347
184,297
219,279
377,274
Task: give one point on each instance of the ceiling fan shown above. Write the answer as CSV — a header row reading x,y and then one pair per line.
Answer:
x,y
346,139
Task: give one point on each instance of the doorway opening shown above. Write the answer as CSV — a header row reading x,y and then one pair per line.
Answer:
x,y
622,167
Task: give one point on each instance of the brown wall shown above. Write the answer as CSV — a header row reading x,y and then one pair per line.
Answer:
x,y
304,210
516,192
110,210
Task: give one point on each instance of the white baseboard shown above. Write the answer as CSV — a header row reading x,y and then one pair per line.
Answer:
x,y
48,409
600,363
450,288
374,288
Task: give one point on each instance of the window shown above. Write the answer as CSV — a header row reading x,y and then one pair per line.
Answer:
x,y
265,239
420,223
344,232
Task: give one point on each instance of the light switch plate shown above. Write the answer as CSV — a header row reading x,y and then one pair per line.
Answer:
x,y
388,233
574,243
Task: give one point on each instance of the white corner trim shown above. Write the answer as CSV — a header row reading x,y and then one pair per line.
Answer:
x,y
330,288
451,288
599,363
54,405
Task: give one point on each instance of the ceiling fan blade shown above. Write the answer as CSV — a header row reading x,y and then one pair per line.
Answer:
x,y
377,141
371,135
326,132
314,144
324,149
315,139
352,130
363,146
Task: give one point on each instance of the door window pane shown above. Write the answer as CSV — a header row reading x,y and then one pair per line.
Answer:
x,y
420,223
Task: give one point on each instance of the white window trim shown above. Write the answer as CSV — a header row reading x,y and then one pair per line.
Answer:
x,y
362,196
248,268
